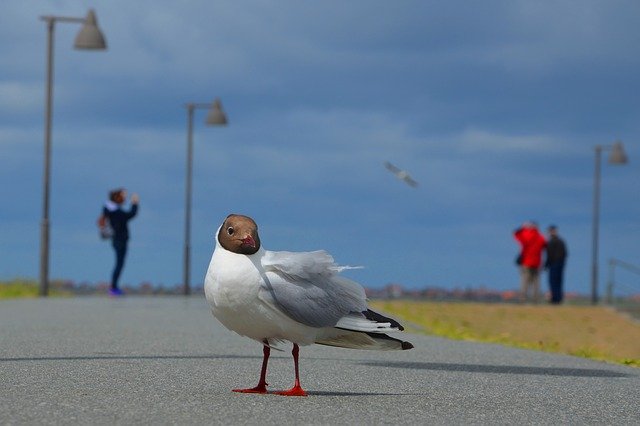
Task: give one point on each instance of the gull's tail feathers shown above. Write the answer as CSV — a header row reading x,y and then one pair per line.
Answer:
x,y
363,340
369,322
365,330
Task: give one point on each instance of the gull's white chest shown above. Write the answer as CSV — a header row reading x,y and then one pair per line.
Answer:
x,y
233,287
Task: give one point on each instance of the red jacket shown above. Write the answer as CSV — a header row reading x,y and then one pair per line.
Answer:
x,y
533,243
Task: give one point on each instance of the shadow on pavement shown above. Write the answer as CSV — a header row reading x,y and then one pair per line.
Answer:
x,y
125,357
500,369
325,393
436,366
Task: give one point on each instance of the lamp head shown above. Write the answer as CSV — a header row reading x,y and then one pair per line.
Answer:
x,y
617,155
90,36
216,115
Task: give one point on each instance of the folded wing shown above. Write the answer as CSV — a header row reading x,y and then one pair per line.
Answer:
x,y
307,288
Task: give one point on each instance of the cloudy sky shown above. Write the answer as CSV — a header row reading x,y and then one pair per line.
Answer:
x,y
494,107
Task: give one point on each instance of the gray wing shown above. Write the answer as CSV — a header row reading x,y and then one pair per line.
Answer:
x,y
307,288
409,180
393,169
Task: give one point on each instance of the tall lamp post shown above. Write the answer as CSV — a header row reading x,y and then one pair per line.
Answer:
x,y
90,37
215,117
617,156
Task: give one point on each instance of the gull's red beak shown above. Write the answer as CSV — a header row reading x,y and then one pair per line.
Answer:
x,y
248,241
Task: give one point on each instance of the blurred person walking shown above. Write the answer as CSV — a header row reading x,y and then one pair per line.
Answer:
x,y
556,258
118,220
532,244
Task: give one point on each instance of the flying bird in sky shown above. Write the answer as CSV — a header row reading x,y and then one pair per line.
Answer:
x,y
273,296
401,174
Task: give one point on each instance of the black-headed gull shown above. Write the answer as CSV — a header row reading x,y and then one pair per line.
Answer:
x,y
273,296
401,174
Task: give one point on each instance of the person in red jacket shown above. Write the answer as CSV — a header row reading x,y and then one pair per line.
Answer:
x,y
530,260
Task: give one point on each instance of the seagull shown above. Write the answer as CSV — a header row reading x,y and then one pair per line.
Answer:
x,y
277,296
401,174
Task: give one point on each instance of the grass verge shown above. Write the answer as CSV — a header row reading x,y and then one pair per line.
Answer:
x,y
590,332
20,288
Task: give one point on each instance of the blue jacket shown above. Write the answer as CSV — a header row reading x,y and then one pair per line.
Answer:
x,y
118,220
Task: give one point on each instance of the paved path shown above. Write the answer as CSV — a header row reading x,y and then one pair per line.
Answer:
x,y
166,361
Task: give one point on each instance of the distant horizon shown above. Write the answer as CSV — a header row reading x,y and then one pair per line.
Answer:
x,y
198,287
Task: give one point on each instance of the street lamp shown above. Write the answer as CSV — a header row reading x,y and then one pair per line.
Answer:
x,y
90,37
215,117
611,282
617,156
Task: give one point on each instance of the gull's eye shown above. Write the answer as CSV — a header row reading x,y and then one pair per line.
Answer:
x,y
230,230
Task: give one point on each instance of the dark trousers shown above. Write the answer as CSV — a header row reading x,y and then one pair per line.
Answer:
x,y
120,246
555,282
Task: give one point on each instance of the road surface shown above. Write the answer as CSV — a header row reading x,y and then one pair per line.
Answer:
x,y
165,360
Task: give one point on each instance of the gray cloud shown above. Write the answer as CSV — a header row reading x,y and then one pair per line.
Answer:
x,y
494,107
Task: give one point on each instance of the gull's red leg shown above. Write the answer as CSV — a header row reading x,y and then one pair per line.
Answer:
x,y
296,390
262,384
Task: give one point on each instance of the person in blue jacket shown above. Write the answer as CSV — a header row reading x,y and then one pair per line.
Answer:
x,y
118,220
556,258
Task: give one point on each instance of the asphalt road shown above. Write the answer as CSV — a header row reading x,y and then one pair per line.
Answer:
x,y
166,360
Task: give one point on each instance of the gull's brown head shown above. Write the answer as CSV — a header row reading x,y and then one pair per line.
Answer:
x,y
239,234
